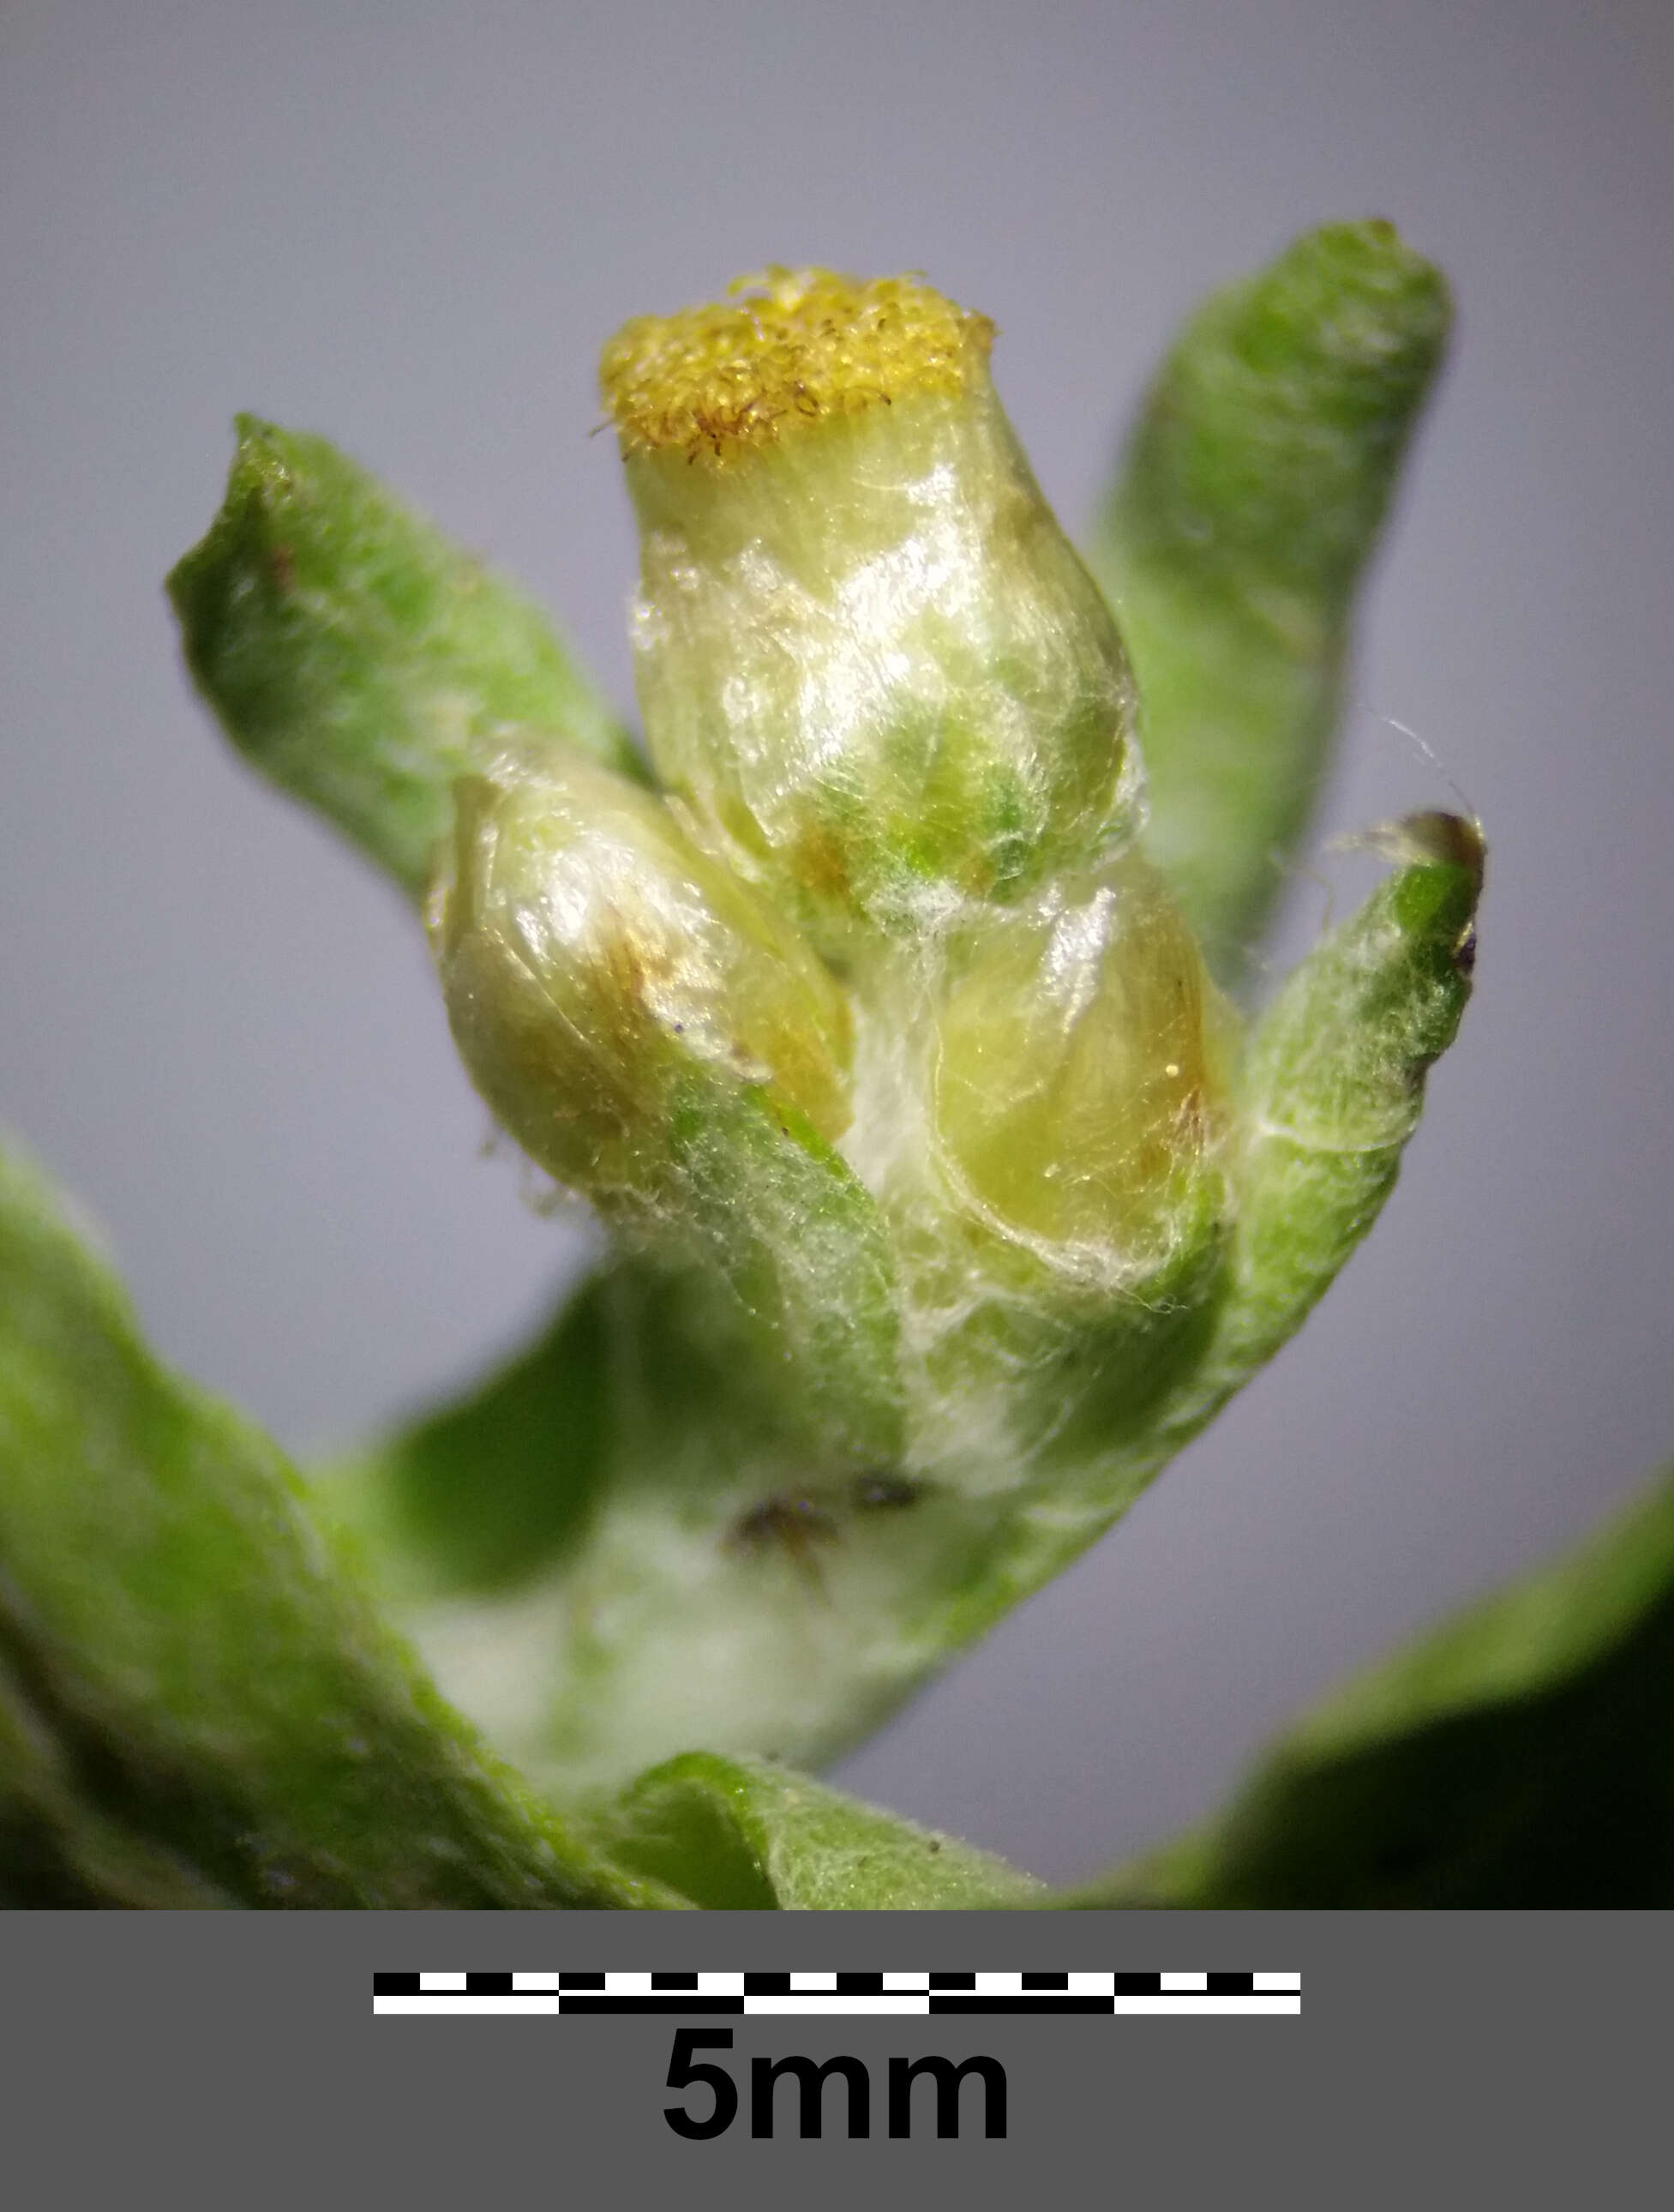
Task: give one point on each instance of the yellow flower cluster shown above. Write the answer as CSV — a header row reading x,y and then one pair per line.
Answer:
x,y
786,346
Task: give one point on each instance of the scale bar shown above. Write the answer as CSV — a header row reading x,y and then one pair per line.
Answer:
x,y
890,1993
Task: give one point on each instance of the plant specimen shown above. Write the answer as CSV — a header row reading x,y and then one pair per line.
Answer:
x,y
892,1012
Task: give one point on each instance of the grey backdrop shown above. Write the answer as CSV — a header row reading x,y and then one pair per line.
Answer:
x,y
412,227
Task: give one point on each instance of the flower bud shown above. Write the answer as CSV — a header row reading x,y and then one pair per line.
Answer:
x,y
1076,1086
661,1042
868,657
601,975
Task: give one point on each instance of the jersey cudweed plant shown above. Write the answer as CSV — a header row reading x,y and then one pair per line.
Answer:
x,y
891,1022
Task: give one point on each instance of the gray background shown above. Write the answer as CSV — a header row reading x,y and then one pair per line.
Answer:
x,y
1521,2056
412,227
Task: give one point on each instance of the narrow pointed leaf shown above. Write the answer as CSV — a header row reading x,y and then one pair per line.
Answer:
x,y
361,660
1249,497
1333,1086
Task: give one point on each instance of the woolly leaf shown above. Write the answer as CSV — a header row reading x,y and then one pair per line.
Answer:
x,y
1249,496
196,1702
361,660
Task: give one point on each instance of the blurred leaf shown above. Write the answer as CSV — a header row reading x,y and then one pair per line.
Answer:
x,y
740,1834
359,658
59,1849
485,1492
1249,496
1523,1755
196,1704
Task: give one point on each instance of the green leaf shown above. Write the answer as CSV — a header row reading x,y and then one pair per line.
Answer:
x,y
484,1492
196,1702
59,1849
1522,1755
740,1835
1250,495
1332,1087
361,660
801,1248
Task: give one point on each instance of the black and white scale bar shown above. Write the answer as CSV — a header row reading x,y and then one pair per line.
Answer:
x,y
719,1993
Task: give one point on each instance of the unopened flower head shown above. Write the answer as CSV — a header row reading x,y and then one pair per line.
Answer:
x,y
602,975
869,659
1078,1087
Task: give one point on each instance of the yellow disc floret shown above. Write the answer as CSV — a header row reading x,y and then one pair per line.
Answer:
x,y
786,348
